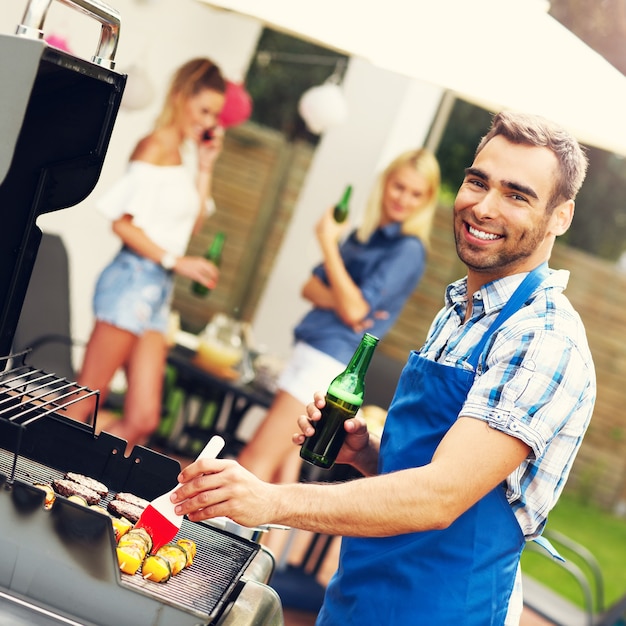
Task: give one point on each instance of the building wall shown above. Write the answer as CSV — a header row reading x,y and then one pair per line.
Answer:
x,y
388,113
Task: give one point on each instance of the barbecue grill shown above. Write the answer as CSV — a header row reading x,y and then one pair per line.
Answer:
x,y
59,565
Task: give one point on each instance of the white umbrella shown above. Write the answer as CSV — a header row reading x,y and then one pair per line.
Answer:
x,y
499,54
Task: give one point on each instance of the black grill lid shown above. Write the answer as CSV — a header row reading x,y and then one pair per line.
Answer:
x,y
57,116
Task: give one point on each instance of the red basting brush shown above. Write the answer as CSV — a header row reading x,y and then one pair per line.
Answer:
x,y
159,518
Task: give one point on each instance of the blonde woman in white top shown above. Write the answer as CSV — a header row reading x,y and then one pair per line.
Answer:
x,y
154,208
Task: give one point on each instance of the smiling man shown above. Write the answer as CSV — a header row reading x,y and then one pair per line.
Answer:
x,y
507,213
484,426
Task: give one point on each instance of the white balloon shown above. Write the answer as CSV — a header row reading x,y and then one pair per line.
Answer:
x,y
323,107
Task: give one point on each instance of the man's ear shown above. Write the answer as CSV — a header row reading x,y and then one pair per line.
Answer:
x,y
562,217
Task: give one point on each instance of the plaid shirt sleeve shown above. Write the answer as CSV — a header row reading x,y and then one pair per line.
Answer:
x,y
537,383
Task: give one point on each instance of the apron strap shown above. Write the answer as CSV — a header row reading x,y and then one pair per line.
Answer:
x,y
548,547
520,295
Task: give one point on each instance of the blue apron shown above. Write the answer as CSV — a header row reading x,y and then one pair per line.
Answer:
x,y
462,575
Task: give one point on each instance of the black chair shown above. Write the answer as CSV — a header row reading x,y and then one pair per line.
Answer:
x,y
381,379
45,320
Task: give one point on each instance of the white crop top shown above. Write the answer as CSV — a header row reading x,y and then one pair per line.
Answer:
x,y
162,200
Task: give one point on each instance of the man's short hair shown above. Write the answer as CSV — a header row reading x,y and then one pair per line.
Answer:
x,y
534,130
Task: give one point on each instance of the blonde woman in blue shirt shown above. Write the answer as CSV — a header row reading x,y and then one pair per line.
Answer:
x,y
362,283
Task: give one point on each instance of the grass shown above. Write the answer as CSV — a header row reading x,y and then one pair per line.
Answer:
x,y
602,533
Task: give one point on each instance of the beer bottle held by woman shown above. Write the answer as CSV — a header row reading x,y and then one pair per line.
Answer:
x,y
344,397
213,254
342,208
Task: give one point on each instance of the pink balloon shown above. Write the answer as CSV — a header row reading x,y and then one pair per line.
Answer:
x,y
237,106
56,41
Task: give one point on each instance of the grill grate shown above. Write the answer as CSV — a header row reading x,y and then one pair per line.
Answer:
x,y
205,587
27,470
28,394
209,582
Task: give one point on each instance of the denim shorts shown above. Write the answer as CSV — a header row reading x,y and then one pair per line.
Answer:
x,y
133,293
307,371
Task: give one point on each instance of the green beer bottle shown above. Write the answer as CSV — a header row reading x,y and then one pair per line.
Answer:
x,y
213,254
342,208
343,399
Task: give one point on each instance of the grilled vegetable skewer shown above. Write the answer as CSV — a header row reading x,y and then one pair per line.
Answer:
x,y
169,560
132,549
133,552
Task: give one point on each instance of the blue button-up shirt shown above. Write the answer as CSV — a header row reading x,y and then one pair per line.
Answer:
x,y
386,269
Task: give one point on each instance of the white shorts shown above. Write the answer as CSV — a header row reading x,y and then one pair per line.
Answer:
x,y
307,371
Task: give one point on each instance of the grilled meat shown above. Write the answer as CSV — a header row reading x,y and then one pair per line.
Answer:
x,y
131,498
68,488
120,508
88,482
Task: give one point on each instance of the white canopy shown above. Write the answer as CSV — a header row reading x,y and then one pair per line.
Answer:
x,y
499,54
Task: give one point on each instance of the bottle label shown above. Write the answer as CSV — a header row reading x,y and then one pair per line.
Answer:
x,y
348,397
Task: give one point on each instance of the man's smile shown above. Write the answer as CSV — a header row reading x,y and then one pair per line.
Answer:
x,y
481,234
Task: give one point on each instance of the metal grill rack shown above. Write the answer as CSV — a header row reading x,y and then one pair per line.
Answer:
x,y
203,588
38,444
29,393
